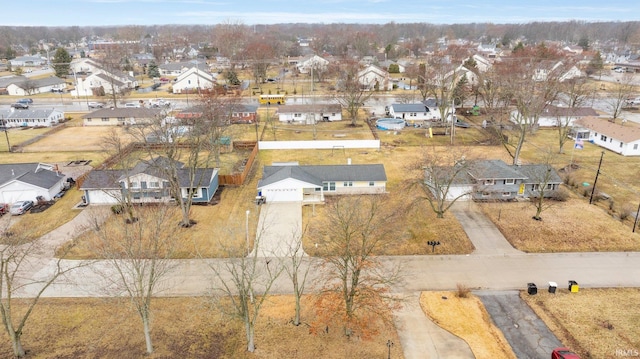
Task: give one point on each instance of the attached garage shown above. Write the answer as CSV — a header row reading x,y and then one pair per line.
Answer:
x,y
15,196
462,193
286,190
28,181
98,196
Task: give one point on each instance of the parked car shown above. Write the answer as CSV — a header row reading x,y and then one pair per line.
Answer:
x,y
20,207
20,106
618,69
27,101
4,208
131,105
563,353
156,103
462,124
96,105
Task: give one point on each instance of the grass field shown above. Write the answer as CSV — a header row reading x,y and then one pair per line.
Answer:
x,y
596,323
183,328
78,139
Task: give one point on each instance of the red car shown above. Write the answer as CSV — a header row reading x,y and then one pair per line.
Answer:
x,y
4,208
563,353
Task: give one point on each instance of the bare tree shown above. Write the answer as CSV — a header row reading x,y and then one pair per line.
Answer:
x,y
438,172
439,81
574,94
245,282
351,94
621,92
140,253
545,180
357,285
19,255
296,270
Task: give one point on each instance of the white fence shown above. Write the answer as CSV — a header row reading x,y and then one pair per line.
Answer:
x,y
318,145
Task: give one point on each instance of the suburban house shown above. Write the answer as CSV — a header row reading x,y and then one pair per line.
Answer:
x,y
178,68
414,113
102,81
33,117
22,86
557,116
27,181
147,183
244,114
491,180
309,184
618,138
548,68
120,116
28,61
374,78
309,114
193,80
305,65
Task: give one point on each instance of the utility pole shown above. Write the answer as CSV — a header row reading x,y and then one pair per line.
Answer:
x,y
596,180
6,134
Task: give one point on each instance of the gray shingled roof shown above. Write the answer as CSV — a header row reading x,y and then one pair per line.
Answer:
x,y
536,173
31,113
323,173
409,107
555,111
124,112
493,169
29,173
102,179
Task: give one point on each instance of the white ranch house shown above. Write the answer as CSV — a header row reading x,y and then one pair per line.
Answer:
x,y
309,184
32,117
309,114
624,140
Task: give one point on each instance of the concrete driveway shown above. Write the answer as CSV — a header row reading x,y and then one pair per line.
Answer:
x,y
279,229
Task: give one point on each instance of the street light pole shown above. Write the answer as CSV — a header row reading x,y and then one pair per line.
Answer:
x,y
247,230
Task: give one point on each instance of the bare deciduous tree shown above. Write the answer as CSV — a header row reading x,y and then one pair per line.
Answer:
x,y
621,92
296,270
357,285
351,94
19,254
574,94
140,253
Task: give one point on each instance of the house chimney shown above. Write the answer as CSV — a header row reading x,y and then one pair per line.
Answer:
x,y
348,161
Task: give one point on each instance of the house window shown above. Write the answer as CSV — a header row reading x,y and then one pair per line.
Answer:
x,y
88,120
193,192
413,114
506,194
329,186
603,138
120,119
154,184
635,146
486,194
621,144
509,181
371,183
135,185
489,182
348,184
105,119
297,115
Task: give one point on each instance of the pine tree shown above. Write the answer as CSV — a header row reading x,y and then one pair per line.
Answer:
x,y
61,61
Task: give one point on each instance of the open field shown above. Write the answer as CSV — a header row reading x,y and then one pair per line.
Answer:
x,y
18,135
571,226
183,328
596,323
79,139
337,130
467,319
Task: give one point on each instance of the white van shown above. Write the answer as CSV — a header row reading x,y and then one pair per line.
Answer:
x,y
131,105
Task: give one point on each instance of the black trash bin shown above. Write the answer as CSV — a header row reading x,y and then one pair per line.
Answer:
x,y
532,289
552,287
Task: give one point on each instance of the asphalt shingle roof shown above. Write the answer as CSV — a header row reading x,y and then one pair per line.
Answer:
x,y
323,173
29,173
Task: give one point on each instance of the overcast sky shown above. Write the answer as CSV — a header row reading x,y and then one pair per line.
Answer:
x,y
209,12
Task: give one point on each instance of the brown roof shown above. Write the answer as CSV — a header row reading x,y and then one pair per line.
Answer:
x,y
628,132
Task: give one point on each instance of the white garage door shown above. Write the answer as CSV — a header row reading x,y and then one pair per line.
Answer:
x,y
283,194
103,197
15,196
455,192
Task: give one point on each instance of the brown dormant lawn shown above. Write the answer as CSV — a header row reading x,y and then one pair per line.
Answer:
x,y
467,319
183,328
78,139
571,226
596,323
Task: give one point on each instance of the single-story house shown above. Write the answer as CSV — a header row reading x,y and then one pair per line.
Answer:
x,y
490,180
147,182
315,62
244,114
27,181
27,87
309,114
120,116
616,137
309,184
32,117
413,113
178,68
557,116
28,61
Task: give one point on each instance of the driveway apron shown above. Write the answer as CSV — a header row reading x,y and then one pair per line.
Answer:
x,y
279,227
423,339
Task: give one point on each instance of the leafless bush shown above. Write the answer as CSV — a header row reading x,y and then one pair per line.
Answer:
x,y
560,195
625,211
462,291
